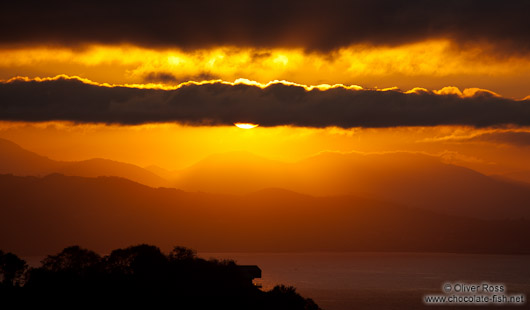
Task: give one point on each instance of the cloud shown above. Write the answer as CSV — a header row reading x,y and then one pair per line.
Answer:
x,y
515,138
221,103
521,138
314,25
169,78
164,77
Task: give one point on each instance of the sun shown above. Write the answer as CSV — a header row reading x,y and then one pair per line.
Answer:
x,y
246,125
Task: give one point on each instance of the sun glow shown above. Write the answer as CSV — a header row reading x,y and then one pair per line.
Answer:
x,y
246,125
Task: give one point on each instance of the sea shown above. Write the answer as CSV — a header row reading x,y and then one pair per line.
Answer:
x,y
346,281
358,281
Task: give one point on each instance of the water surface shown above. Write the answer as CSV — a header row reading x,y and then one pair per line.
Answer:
x,y
344,281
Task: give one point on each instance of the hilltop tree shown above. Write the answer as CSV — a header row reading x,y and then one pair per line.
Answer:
x,y
12,269
182,253
286,297
142,274
73,258
136,260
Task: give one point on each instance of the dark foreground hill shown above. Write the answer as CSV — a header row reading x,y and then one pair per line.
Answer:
x,y
139,276
43,215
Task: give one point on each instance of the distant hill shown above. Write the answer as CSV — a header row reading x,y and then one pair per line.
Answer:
x,y
406,178
234,173
43,215
519,176
104,167
411,179
162,172
18,161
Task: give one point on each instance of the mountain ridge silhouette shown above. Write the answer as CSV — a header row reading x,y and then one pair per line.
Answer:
x,y
412,179
44,214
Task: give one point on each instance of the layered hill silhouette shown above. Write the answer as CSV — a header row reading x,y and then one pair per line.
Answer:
x,y
518,176
411,179
40,215
18,161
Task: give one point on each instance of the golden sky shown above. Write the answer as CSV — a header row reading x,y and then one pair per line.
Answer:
x,y
431,64
412,78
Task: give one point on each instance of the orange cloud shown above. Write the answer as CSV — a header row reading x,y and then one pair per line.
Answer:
x,y
429,64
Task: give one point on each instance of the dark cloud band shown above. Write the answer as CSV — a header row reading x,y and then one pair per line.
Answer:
x,y
277,104
315,25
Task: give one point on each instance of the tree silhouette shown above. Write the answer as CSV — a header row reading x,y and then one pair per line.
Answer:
x,y
73,258
286,297
182,253
12,269
142,275
138,260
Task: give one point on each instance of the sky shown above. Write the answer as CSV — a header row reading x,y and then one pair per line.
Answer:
x,y
163,82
